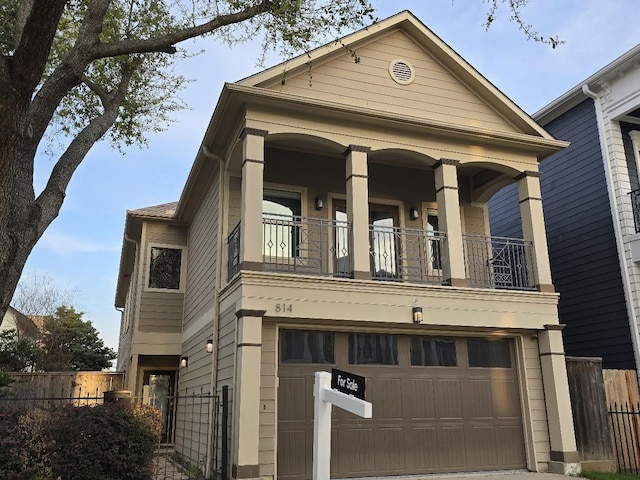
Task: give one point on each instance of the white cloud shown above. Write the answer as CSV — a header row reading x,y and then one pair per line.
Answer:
x,y
62,244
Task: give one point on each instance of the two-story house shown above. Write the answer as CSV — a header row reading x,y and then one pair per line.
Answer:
x,y
336,216
591,198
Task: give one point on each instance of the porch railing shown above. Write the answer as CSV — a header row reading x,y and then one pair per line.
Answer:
x,y
315,246
406,254
635,205
233,264
499,262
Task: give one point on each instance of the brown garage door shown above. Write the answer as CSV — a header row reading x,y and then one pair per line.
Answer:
x,y
440,404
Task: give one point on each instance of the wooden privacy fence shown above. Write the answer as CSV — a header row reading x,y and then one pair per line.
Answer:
x,y
606,415
64,384
589,407
621,387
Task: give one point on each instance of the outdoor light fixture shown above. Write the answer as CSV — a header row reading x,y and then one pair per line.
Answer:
x,y
413,213
210,345
319,203
417,314
184,361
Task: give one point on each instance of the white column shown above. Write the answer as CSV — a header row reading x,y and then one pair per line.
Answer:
x,y
358,211
246,395
449,221
564,453
533,229
251,208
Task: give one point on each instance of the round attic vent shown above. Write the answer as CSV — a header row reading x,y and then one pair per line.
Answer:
x,y
401,71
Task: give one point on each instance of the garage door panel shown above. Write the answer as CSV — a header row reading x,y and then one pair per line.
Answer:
x,y
292,399
483,403
448,398
419,395
357,450
295,462
507,398
481,446
510,447
451,452
386,395
390,447
422,448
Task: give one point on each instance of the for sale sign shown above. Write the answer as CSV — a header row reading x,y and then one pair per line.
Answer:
x,y
348,383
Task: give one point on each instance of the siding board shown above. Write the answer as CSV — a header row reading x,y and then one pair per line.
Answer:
x,y
368,84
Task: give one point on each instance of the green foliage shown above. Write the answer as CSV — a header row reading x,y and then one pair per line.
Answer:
x,y
5,381
17,354
109,442
70,343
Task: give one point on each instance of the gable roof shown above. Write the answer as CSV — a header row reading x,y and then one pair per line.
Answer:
x,y
425,38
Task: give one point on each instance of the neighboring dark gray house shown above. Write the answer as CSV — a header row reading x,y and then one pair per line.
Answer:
x,y
587,192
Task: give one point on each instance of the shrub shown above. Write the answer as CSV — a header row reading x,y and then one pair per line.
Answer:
x,y
14,447
107,442
110,442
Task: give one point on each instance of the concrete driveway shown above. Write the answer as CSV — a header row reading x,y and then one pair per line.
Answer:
x,y
504,475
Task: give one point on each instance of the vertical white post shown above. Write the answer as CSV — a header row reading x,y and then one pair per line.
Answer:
x,y
321,428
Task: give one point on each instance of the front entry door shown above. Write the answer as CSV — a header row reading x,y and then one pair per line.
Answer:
x,y
162,396
384,248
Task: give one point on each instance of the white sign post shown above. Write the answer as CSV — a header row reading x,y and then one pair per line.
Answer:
x,y
324,398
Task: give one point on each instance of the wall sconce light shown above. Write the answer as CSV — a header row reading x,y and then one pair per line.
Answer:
x,y
210,345
319,203
184,361
417,314
413,213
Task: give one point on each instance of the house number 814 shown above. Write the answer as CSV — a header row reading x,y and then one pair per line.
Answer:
x,y
284,307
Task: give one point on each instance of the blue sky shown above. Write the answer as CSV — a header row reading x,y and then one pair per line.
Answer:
x,y
81,249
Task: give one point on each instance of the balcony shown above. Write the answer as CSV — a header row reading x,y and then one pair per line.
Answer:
x,y
318,246
499,262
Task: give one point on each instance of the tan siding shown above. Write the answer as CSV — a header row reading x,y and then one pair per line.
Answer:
x,y
192,422
434,94
537,403
202,253
160,311
163,233
268,395
474,220
226,360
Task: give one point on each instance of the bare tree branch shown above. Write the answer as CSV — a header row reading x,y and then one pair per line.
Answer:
x,y
105,97
68,73
51,198
166,43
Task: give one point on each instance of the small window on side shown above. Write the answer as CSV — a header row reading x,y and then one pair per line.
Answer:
x,y
487,353
164,268
433,352
297,346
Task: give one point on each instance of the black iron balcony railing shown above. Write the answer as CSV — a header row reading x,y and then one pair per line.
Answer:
x,y
406,254
635,205
315,246
498,262
233,264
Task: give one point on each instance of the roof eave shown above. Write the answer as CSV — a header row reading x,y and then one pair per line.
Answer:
x,y
575,95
